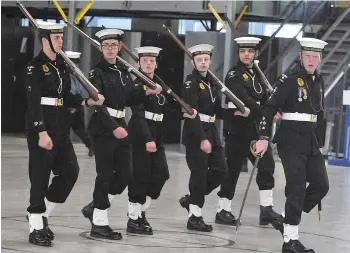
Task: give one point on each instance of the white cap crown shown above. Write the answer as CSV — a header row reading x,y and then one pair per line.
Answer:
x,y
148,51
312,44
73,55
106,34
201,49
248,42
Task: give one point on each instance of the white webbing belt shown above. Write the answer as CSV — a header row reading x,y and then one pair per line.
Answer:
x,y
299,117
153,116
116,113
52,101
231,105
207,118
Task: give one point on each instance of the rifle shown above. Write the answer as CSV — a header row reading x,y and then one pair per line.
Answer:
x,y
93,92
167,89
217,81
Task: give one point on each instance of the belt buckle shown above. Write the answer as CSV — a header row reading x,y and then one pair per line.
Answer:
x,y
159,117
313,118
59,101
211,119
119,114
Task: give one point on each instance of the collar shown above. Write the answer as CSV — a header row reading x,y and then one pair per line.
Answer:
x,y
199,77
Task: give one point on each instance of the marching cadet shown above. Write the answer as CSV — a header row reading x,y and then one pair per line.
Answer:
x,y
78,115
108,128
239,130
150,169
48,118
300,97
201,138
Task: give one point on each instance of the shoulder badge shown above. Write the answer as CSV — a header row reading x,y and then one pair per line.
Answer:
x,y
201,85
45,68
245,76
300,82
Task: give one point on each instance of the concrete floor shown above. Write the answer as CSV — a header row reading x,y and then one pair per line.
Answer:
x,y
331,235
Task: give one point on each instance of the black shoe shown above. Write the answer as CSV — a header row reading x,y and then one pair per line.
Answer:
x,y
91,152
88,211
198,224
138,227
39,237
184,202
268,215
295,246
105,232
46,228
225,218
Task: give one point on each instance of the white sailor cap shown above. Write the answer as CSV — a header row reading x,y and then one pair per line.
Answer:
x,y
248,42
148,51
107,34
311,44
73,55
201,49
51,27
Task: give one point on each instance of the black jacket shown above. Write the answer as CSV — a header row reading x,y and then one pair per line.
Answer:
x,y
249,88
145,130
297,92
115,83
46,78
201,94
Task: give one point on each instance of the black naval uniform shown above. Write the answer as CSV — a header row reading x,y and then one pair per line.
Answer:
x,y
298,142
239,131
201,94
112,155
150,169
48,82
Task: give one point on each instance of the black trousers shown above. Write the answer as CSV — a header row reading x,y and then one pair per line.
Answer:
x,y
149,173
113,167
62,161
78,126
207,171
237,149
299,169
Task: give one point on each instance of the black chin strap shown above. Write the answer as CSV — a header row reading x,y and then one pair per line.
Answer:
x,y
50,42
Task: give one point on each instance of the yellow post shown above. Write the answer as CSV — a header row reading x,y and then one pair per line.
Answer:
x,y
60,10
83,11
216,14
244,10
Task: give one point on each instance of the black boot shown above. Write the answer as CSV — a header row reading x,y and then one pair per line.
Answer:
x,y
46,228
295,246
198,224
138,227
268,215
225,218
39,237
184,202
105,232
88,211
